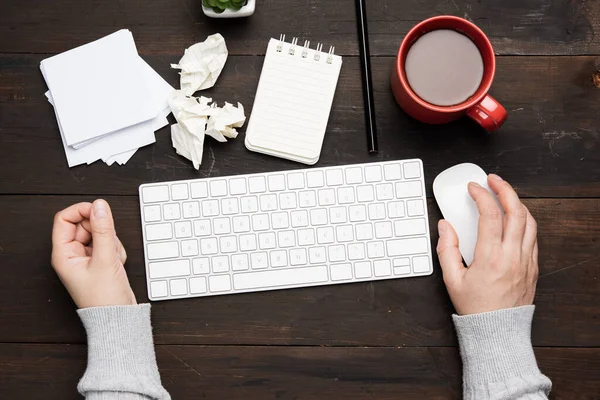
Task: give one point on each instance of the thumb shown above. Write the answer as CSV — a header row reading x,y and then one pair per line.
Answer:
x,y
448,253
103,232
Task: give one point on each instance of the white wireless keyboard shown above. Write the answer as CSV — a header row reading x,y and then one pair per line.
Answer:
x,y
287,229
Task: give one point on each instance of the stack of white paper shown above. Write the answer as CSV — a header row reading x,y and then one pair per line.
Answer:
x,y
107,100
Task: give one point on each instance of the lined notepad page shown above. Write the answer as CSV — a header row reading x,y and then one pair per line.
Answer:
x,y
293,102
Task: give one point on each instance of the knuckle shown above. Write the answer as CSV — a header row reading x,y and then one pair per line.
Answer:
x,y
521,212
57,216
493,212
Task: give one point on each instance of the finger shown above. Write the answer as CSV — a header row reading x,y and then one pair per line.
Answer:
x,y
82,235
515,219
530,236
489,230
121,251
449,255
104,237
65,222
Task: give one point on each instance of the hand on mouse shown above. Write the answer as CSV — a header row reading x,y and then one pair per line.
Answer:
x,y
504,271
88,256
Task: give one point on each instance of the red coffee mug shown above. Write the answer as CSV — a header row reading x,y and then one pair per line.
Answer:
x,y
481,107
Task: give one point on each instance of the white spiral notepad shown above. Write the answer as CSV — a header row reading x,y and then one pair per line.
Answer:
x,y
293,101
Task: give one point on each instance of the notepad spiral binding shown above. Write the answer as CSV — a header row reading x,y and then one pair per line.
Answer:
x,y
294,46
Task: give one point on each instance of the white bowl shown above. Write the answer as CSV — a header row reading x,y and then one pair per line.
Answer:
x,y
245,11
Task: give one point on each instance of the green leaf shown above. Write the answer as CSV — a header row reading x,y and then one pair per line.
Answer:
x,y
218,10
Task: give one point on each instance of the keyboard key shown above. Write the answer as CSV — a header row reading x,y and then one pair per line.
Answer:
x,y
295,180
210,208
241,224
298,257
219,283
317,255
401,266
260,222
278,278
228,244
157,251
299,218
415,208
268,202
314,179
257,184
373,173
392,172
199,190
395,209
337,253
365,193
220,264
337,215
318,216
249,204
345,195
178,287
421,264
385,191
152,213
179,191
159,289
183,229
358,213
259,260
344,233
155,194
326,197
325,235
356,251
364,231
276,182
159,232
280,220
169,269
218,188
209,246
382,268
401,247
408,227
171,211
248,242
306,237
229,206
375,250
341,272
202,227
383,230
191,209
239,262
335,177
198,285
237,186
376,211
353,175
408,189
286,239
307,199
279,258
189,248
201,266
287,201
412,170
266,241
221,226
362,269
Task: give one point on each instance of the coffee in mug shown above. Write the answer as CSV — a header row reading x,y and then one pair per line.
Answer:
x,y
444,67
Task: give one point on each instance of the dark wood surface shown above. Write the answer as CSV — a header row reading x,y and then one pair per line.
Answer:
x,y
385,340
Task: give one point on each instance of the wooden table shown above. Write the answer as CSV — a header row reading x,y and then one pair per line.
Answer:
x,y
384,340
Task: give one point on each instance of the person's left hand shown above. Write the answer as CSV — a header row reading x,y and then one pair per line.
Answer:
x,y
88,256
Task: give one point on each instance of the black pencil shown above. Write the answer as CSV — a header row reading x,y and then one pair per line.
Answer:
x,y
365,64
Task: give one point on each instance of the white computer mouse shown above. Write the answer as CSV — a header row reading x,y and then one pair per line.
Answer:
x,y
457,206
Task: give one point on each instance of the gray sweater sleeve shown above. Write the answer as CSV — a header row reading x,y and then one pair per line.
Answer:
x,y
497,355
121,360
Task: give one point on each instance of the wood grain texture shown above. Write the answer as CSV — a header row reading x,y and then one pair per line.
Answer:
x,y
516,27
35,372
549,146
405,312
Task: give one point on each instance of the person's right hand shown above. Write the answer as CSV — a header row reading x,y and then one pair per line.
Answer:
x,y
504,271
88,256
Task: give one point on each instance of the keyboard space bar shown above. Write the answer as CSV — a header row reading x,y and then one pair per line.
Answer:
x,y
281,277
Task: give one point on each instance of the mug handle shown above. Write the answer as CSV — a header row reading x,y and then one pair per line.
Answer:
x,y
488,113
